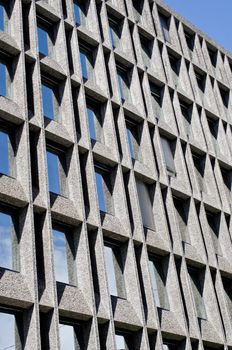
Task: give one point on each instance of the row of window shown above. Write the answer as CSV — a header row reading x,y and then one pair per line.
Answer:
x,y
72,334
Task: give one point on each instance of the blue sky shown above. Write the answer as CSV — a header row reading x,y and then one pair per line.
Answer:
x,y
211,16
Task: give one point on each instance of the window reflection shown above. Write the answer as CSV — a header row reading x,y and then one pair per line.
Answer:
x,y
8,243
7,331
60,256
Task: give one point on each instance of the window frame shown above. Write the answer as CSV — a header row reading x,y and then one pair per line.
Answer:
x,y
105,173
118,268
98,110
124,83
48,28
15,231
157,273
62,168
56,98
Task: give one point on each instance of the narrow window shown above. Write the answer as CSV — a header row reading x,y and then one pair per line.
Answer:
x,y
190,38
165,23
7,160
11,337
104,190
157,98
182,209
224,96
95,119
51,101
197,283
199,164
4,18
175,65
115,31
56,171
5,79
168,155
186,110
214,225
146,46
145,204
201,79
63,256
86,59
212,56
133,138
114,269
227,179
72,335
138,9
9,257
123,83
124,340
45,38
80,12
158,280
213,127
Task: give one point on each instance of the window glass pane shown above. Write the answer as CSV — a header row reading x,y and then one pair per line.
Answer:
x,y
3,73
60,256
4,153
67,340
145,205
7,331
53,172
109,257
100,191
120,342
84,67
2,18
6,242
48,107
43,41
130,141
154,284
77,13
91,119
168,157
120,86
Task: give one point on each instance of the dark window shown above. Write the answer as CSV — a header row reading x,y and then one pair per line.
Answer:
x,y
190,38
157,96
201,78
186,110
145,204
227,179
224,96
175,63
213,126
212,56
165,23
146,45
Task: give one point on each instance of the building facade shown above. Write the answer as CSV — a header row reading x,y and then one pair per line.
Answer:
x,y
115,178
